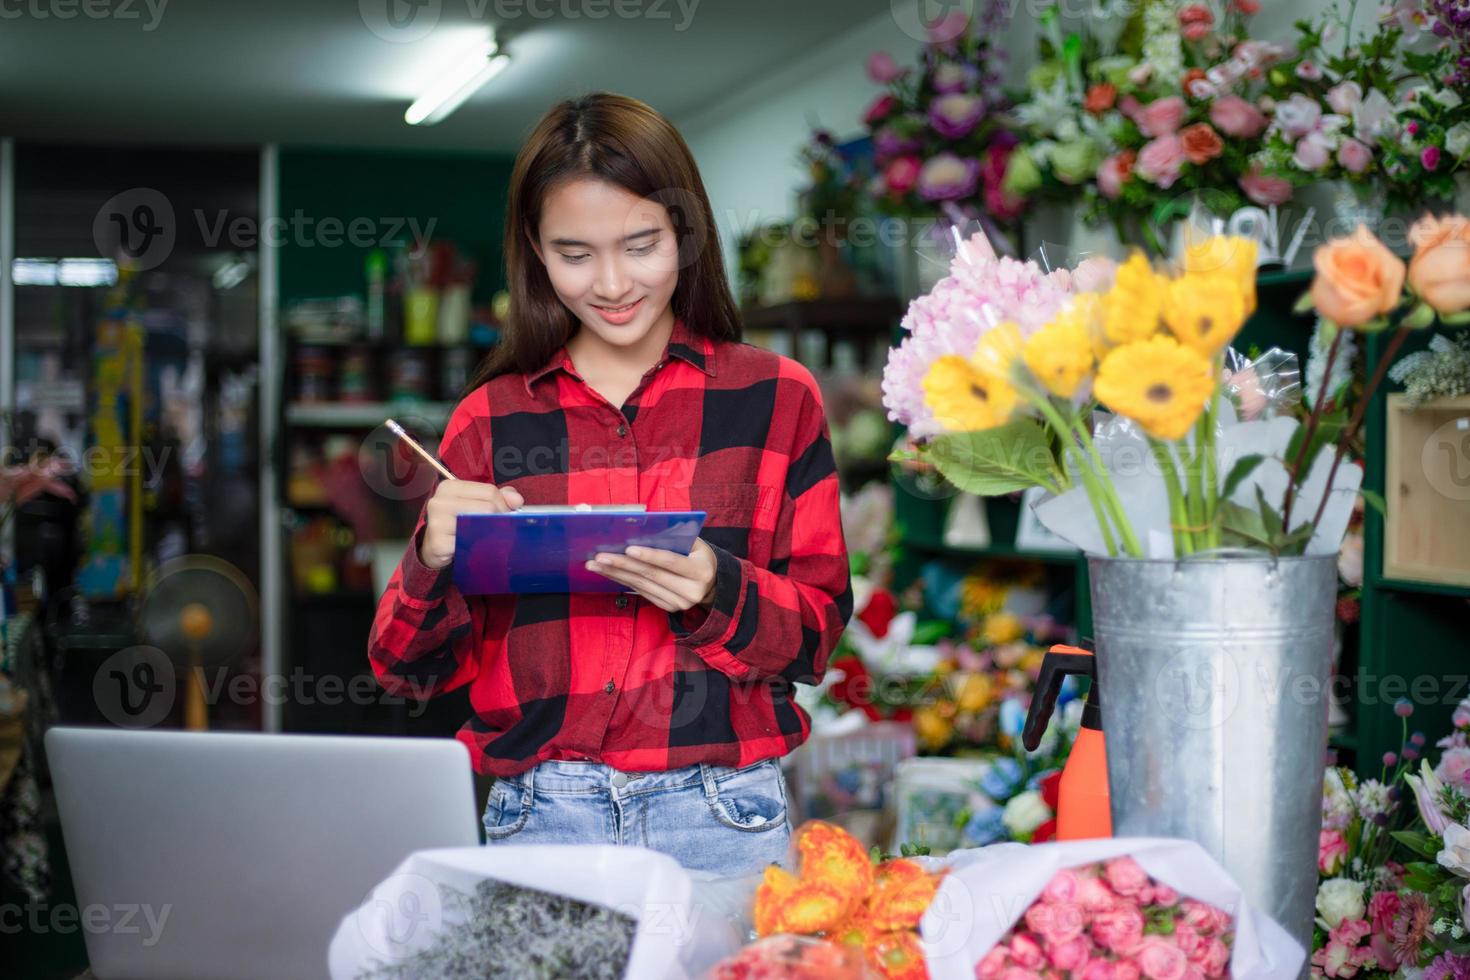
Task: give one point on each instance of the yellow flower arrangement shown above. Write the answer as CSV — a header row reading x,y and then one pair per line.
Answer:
x,y
1158,383
974,692
1204,312
1002,627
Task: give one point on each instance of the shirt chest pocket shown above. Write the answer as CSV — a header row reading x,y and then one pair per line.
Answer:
x,y
724,504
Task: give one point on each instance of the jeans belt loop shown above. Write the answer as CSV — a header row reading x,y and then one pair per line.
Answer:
x,y
707,776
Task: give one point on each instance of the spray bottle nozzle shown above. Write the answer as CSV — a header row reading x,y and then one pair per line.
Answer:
x,y
1060,661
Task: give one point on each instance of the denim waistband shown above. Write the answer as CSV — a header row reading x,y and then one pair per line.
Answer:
x,y
569,776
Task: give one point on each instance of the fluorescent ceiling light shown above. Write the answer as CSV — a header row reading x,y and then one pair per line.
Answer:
x,y
64,272
450,92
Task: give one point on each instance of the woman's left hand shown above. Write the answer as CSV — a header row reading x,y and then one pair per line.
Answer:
x,y
669,580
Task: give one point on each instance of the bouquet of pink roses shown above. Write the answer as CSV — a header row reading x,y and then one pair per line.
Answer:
x,y
1112,921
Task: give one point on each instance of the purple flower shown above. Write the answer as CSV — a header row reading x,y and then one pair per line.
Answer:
x,y
954,116
1403,707
1430,157
1417,740
947,177
1427,789
882,68
887,143
1448,966
1390,760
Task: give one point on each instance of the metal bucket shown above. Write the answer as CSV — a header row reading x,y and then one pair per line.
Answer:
x,y
1216,676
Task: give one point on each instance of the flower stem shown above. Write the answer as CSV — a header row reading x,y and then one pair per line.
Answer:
x,y
1309,430
1357,419
1178,519
1110,492
1094,492
1212,476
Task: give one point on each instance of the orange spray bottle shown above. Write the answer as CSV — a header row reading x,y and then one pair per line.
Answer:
x,y
1083,810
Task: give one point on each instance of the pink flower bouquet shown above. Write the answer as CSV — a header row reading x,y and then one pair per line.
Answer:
x,y
1112,921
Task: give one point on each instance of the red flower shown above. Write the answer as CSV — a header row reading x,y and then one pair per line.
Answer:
x,y
1348,609
1195,22
1201,143
1051,789
1246,7
856,687
1046,832
1100,98
1190,77
879,612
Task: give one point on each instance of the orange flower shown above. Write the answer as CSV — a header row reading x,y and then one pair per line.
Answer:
x,y
898,956
904,890
833,855
1201,143
1440,269
1357,280
1190,77
1100,98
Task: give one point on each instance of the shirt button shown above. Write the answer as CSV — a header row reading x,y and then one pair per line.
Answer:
x,y
623,430
621,601
609,688
619,780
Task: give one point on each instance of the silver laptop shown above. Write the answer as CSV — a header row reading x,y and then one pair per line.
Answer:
x,y
215,855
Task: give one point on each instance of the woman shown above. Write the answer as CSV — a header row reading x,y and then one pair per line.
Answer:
x,y
659,718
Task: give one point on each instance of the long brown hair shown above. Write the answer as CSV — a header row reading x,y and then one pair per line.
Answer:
x,y
624,142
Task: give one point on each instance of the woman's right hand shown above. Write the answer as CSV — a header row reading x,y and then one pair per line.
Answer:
x,y
452,498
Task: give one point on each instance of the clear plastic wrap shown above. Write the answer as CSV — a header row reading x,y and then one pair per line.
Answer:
x,y
1263,388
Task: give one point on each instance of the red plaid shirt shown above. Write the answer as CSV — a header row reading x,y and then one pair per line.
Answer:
x,y
727,428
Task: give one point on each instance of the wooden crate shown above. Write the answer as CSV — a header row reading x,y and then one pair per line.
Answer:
x,y
1426,536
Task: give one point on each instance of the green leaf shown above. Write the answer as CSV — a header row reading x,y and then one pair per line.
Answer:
x,y
1242,527
1243,468
992,462
1418,843
1419,317
1303,304
1269,517
1373,499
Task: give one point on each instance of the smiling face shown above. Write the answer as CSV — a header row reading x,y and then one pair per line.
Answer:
x,y
612,258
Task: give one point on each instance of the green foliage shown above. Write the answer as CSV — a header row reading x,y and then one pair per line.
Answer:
x,y
992,462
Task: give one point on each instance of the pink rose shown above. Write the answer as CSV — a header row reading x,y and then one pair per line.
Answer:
x,y
1234,116
990,967
1164,896
1093,274
1454,768
1160,161
902,174
1071,955
1125,970
1354,156
1094,895
1310,71
1160,959
1190,941
1018,973
1429,158
1118,929
879,109
1461,717
1313,152
1204,917
1027,953
1065,923
1298,115
1344,96
1113,172
1097,970
882,68
1245,385
1161,117
1126,876
1332,852
1061,888
1264,189
1216,959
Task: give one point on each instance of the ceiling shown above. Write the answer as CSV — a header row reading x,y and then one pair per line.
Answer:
x,y
343,71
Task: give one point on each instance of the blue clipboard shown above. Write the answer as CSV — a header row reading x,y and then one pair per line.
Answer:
x,y
523,553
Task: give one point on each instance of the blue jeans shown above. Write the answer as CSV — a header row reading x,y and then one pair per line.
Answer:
x,y
708,818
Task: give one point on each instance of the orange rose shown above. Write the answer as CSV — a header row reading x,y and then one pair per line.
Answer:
x,y
1440,269
1357,279
1201,143
1190,77
1100,98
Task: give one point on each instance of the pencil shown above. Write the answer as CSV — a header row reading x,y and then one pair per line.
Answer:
x,y
397,430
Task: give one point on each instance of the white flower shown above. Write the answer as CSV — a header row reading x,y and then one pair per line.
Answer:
x,y
1456,853
1372,799
1373,118
1024,813
1337,801
1457,140
1344,95
1339,899
1447,98
1298,115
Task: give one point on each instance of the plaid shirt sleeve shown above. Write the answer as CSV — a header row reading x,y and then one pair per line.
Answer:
x,y
427,637
783,620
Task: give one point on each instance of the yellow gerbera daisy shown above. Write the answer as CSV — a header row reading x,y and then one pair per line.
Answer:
x,y
1231,256
1060,353
1158,383
1135,302
1204,311
963,398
